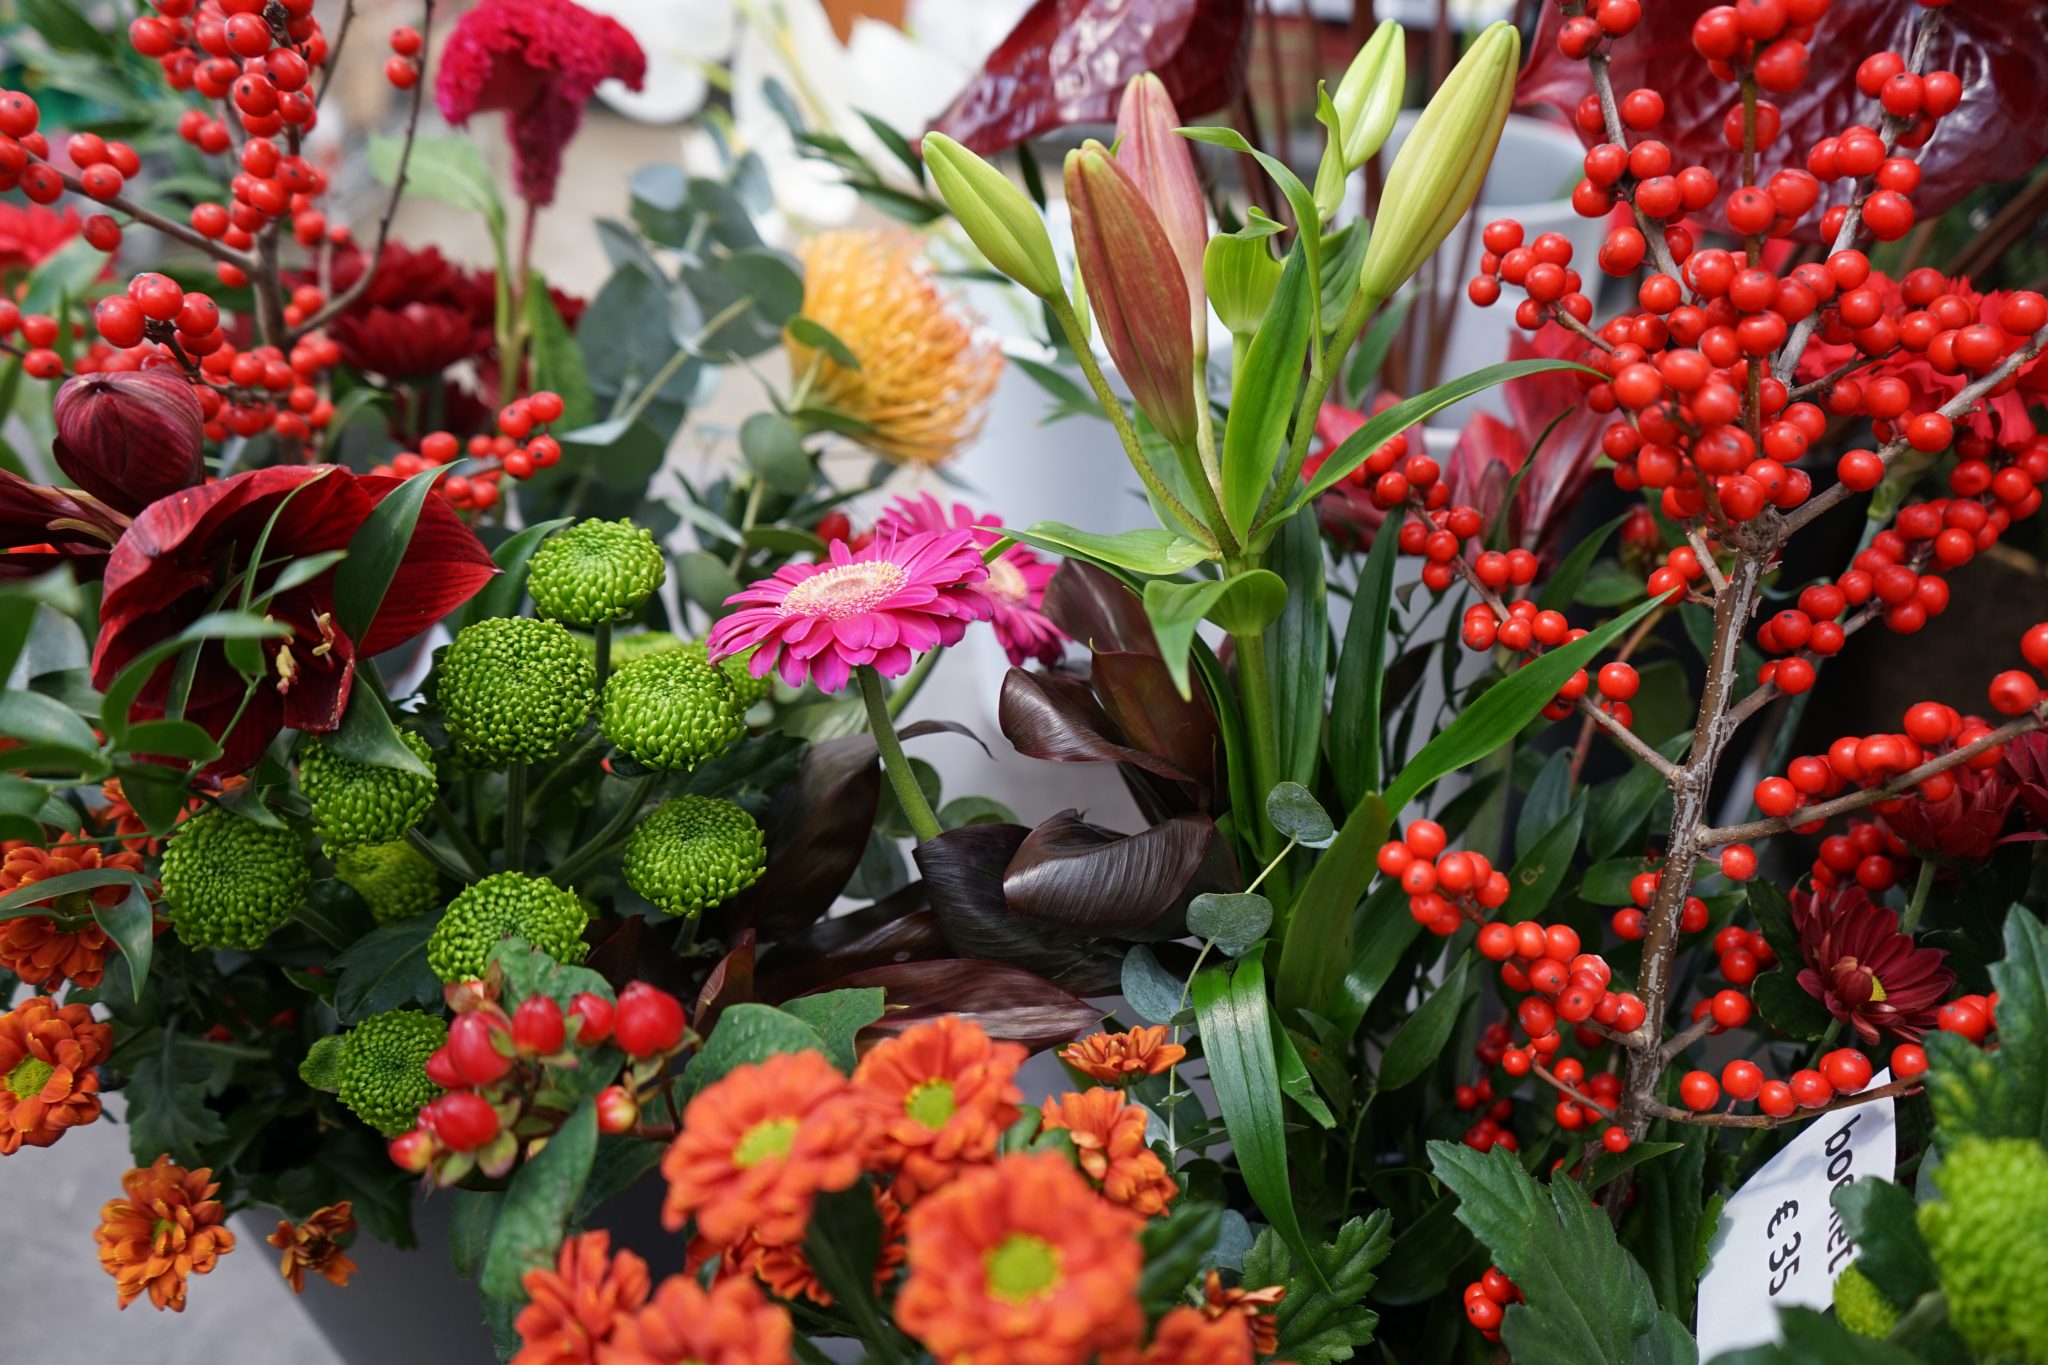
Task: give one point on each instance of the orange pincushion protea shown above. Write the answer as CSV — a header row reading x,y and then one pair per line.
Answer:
x,y
940,1096
731,1324
47,1081
1120,1058
315,1245
787,1271
47,951
168,1228
1253,1307
575,1305
1109,1140
924,381
758,1145
1188,1336
1022,1263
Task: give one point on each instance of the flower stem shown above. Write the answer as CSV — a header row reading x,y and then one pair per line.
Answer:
x,y
601,640
1911,919
579,861
515,817
479,865
904,782
913,681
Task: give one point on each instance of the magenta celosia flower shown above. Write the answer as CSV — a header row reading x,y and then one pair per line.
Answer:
x,y
539,61
1016,577
880,605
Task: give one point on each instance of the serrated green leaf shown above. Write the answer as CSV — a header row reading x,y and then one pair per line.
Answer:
x,y
1174,1250
2002,1093
838,1017
1667,1220
1889,1249
1323,1318
167,1110
748,1033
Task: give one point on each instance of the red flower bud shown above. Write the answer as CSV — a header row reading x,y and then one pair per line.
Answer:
x,y
650,1020
413,1151
463,1121
473,1046
129,438
593,1015
616,1111
441,1070
537,1029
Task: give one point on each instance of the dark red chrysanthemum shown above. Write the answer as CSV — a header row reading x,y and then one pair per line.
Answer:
x,y
539,61
1965,824
2026,758
418,315
1870,975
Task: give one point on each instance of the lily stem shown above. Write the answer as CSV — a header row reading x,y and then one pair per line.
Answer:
x,y
902,780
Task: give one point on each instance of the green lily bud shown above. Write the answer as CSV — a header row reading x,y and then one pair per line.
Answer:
x,y
1369,96
1437,174
997,216
1241,274
1135,289
1331,171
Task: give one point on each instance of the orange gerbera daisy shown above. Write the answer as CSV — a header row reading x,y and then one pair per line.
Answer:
x,y
316,1245
787,1271
167,1229
1120,1058
1020,1263
574,1306
1109,1140
940,1096
730,1324
67,944
1254,1307
1188,1336
47,1081
758,1145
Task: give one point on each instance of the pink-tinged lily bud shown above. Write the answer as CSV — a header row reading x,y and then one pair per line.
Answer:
x,y
1135,289
1162,164
129,438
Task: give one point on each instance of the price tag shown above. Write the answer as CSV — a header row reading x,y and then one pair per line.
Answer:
x,y
1780,1241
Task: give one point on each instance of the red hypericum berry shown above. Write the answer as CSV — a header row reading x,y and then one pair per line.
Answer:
x,y
472,1046
616,1111
1738,862
441,1070
1731,1009
1776,1099
649,1020
119,319
592,1015
537,1027
1811,1089
462,1121
406,42
1965,1016
1909,1062
1699,1091
412,1151
2013,693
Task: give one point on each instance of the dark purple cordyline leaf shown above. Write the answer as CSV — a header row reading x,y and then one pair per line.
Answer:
x,y
1010,1003
817,829
918,729
1066,61
963,881
1090,880
731,983
1138,694
1055,717
1999,49
1094,607
893,930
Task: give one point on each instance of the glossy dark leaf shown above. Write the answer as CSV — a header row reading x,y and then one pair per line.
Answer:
x,y
1786,1007
1537,874
963,880
1091,880
898,929
817,829
1066,61
1057,718
1317,947
1662,1229
1999,131
1009,1002
1137,693
374,552
503,594
629,950
1098,609
1422,1036
385,969
731,983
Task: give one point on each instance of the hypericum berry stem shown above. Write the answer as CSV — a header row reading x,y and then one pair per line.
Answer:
x,y
902,780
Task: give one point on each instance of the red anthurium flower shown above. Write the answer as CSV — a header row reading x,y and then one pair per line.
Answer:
x,y
181,553
41,528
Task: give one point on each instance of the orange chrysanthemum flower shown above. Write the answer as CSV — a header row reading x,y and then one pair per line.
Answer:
x,y
1188,1336
731,1324
1120,1058
1020,1263
758,1145
924,380
1254,1307
787,1271
118,815
47,1081
575,1305
66,945
1109,1140
167,1229
940,1096
316,1245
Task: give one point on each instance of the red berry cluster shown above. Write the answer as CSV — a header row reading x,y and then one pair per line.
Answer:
x,y
518,449
1444,889
502,1073
1628,922
1490,1129
1487,1298
1844,1071
402,67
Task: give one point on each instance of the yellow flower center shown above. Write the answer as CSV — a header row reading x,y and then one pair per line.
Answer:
x,y
28,1079
930,1103
1006,581
1876,991
770,1137
1022,1267
846,590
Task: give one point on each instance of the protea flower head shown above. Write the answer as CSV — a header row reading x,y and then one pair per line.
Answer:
x,y
1870,975
130,437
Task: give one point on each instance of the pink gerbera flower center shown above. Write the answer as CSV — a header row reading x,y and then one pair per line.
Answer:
x,y
1006,582
846,590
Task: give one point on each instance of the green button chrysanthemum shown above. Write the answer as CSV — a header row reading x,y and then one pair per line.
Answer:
x,y
693,853
383,1072
513,689
671,710
595,572
230,882
393,879
1985,1233
358,803
750,688
507,903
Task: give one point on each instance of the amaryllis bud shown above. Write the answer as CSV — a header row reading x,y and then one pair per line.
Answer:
x,y
616,1111
995,214
1135,289
1241,274
537,1028
1436,176
1369,97
473,1047
1162,165
130,437
593,1018
463,1121
649,1020
413,1151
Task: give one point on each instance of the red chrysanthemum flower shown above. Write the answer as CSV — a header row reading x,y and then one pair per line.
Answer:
x,y
67,944
1189,1336
539,61
1121,1058
1109,1141
938,1096
758,1145
1016,578
1868,974
881,606
1022,1263
787,1271
167,1228
1962,826
316,1245
574,1305
47,1081
729,1324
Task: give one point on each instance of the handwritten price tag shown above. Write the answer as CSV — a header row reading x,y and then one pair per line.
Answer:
x,y
1780,1241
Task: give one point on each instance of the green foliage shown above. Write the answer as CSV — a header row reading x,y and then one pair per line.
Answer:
x,y
1985,1233
382,1075
1262,395
547,916
1324,1317
230,882
384,969
838,1017
394,879
1422,1036
694,852
535,1214
1243,604
745,1034
2003,1093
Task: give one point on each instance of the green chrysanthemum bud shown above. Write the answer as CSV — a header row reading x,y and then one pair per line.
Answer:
x,y
694,853
358,803
631,649
1862,1307
393,879
545,915
383,1072
671,711
230,882
751,689
513,689
1985,1234
595,571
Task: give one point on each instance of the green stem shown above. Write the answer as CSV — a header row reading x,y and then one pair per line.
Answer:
x,y
515,817
902,780
1322,368
913,681
565,766
601,643
436,855
600,843
1255,692
756,489
445,819
1205,435
1197,478
1911,919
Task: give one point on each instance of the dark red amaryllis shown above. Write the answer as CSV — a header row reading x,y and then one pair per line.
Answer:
x,y
41,528
180,554
1870,976
1965,824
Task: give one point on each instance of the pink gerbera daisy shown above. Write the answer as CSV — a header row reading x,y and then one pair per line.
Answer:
x,y
1016,578
880,606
